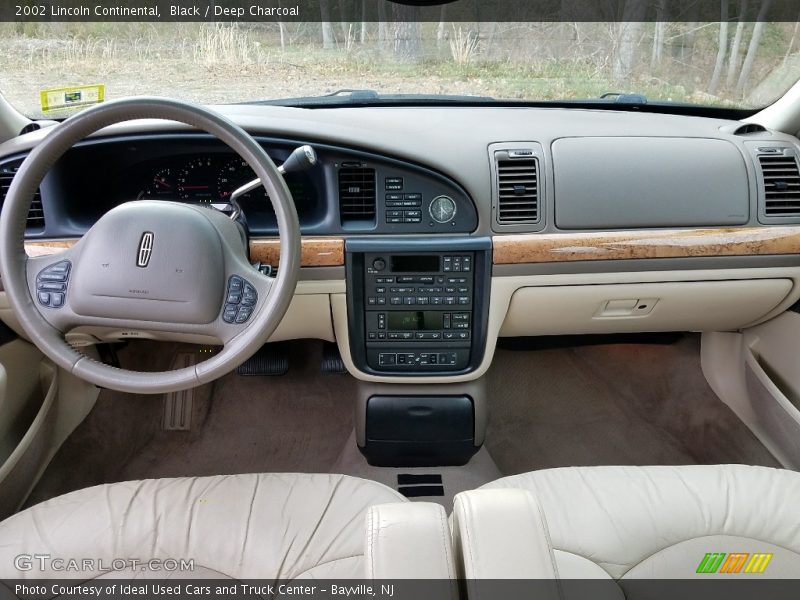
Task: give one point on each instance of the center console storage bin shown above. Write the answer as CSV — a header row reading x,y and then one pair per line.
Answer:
x,y
419,431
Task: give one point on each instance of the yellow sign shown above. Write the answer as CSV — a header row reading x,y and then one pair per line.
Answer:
x,y
71,97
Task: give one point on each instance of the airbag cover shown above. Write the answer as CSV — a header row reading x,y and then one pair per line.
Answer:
x,y
181,282
620,182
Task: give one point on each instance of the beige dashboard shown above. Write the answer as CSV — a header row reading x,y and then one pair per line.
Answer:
x,y
547,279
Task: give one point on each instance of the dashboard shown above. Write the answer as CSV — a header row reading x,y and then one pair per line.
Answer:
x,y
347,191
569,221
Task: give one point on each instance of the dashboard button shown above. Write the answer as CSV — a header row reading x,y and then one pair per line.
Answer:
x,y
387,359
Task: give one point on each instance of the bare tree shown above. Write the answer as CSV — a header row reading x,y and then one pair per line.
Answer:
x,y
383,29
344,21
791,41
441,30
658,43
722,47
752,50
629,29
736,45
659,35
407,32
363,22
328,39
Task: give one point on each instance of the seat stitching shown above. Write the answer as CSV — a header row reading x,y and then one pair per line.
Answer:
x,y
327,562
468,535
371,542
443,533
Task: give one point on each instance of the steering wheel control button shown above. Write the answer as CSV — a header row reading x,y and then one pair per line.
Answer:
x,y
230,313
51,284
235,285
243,314
241,299
250,297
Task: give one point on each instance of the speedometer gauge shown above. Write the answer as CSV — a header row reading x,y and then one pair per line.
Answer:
x,y
196,181
234,174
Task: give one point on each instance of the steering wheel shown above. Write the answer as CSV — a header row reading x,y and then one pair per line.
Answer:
x,y
149,266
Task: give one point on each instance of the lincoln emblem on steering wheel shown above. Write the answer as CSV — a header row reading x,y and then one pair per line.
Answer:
x,y
145,249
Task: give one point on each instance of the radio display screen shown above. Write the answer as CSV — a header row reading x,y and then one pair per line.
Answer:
x,y
415,263
423,320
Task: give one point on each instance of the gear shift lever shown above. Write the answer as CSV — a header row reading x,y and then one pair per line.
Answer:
x,y
300,159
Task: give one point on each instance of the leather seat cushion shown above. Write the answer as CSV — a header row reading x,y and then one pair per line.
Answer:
x,y
659,522
258,526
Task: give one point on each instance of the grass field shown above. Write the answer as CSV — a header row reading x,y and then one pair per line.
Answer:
x,y
222,64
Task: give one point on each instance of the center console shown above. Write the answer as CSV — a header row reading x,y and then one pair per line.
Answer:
x,y
418,308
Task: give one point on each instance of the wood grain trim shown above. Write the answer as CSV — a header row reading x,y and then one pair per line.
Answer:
x,y
624,245
314,252
47,247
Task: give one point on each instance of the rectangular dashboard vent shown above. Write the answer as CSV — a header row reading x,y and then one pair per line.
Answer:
x,y
781,185
517,189
357,192
36,212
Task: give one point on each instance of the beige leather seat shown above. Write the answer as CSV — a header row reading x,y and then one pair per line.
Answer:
x,y
633,523
276,526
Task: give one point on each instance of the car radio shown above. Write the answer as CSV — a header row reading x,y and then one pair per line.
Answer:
x,y
417,311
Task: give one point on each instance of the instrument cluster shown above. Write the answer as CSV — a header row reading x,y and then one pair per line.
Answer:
x,y
204,179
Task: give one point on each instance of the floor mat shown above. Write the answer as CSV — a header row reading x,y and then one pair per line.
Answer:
x,y
614,404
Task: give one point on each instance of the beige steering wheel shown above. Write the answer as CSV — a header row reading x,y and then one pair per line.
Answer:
x,y
156,266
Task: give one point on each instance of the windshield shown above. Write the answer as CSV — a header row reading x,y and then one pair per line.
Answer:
x,y
734,65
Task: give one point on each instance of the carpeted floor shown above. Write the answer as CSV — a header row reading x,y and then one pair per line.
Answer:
x,y
611,404
586,405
